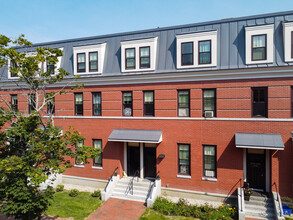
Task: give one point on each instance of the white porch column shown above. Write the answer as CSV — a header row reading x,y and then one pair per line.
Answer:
x,y
125,157
244,165
141,160
268,170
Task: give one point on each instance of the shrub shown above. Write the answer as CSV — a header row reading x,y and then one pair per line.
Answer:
x,y
73,193
183,208
96,193
59,188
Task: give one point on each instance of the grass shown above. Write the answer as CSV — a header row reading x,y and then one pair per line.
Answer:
x,y
151,214
78,207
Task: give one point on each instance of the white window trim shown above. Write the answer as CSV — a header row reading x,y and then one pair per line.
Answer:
x,y
150,42
287,29
259,30
100,48
58,64
195,38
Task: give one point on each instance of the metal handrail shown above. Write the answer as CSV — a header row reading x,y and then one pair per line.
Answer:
x,y
130,185
278,198
110,178
154,184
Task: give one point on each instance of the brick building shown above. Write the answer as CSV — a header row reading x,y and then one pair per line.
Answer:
x,y
204,104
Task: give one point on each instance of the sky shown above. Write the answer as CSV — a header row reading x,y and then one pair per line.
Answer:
x,y
51,20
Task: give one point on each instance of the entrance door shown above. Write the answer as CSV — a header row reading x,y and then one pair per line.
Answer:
x,y
256,168
150,162
133,160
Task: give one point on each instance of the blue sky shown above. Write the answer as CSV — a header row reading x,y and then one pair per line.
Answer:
x,y
50,20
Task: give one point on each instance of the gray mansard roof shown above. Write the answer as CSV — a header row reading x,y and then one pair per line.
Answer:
x,y
230,43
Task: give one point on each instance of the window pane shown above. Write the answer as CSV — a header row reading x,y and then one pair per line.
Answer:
x,y
183,98
81,58
130,53
259,41
81,66
204,46
145,52
187,48
148,97
259,54
145,61
209,99
184,170
98,145
127,97
97,98
93,56
14,100
204,58
209,151
77,160
187,59
78,98
130,63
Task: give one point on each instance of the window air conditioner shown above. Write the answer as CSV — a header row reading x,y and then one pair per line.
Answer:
x,y
208,114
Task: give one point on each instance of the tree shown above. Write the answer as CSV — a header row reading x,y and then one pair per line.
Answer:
x,y
31,147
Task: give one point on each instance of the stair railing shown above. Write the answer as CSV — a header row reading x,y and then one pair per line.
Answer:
x,y
154,184
278,199
111,178
130,185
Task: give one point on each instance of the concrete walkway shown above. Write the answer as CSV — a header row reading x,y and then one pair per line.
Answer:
x,y
118,209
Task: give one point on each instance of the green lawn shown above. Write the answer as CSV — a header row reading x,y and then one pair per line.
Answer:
x,y
151,214
78,207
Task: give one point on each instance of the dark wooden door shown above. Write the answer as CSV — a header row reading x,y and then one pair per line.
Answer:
x,y
133,160
256,172
150,161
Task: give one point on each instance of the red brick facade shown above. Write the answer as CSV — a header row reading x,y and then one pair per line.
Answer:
x,y
234,114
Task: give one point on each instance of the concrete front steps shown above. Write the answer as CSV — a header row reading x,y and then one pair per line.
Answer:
x,y
140,189
260,206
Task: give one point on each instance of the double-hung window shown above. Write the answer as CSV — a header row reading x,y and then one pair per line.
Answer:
x,y
78,104
97,110
13,69
51,106
144,59
98,159
130,58
209,161
187,54
51,68
259,47
260,102
148,109
127,103
184,159
81,66
31,103
183,103
93,61
78,160
204,52
14,105
209,101
291,44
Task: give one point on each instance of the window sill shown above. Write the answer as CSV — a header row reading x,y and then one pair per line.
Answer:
x,y
80,166
97,168
209,179
184,176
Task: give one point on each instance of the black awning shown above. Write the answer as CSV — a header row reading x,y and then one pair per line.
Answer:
x,y
259,141
134,135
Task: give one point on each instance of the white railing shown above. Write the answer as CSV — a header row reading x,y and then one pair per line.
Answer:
x,y
154,192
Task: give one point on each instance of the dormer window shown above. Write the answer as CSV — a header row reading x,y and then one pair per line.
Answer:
x,y
93,61
81,62
259,47
288,41
130,58
259,44
51,68
139,55
187,54
204,52
197,50
89,59
144,57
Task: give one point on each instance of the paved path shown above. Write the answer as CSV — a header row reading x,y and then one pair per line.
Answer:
x,y
118,209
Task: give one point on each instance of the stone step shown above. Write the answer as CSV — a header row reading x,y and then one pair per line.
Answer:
x,y
257,203
260,198
135,188
133,197
135,192
259,215
265,208
142,184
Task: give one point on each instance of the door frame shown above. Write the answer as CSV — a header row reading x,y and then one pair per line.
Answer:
x,y
125,144
267,168
155,148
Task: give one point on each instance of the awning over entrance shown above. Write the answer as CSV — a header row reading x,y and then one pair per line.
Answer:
x,y
133,135
259,141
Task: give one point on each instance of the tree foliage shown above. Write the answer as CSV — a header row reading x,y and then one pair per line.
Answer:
x,y
31,147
